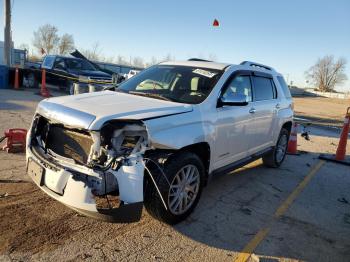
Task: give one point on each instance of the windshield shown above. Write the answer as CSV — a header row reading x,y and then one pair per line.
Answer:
x,y
79,64
182,84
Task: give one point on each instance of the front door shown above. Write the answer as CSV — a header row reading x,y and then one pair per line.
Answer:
x,y
234,123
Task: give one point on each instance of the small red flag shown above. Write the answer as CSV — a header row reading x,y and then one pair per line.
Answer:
x,y
216,22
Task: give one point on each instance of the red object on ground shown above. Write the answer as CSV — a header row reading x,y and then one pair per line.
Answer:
x,y
216,22
292,144
341,150
44,91
16,85
16,140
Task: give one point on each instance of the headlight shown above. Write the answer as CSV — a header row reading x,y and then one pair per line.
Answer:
x,y
125,138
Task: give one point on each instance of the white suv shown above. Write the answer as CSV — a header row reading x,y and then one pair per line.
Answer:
x,y
158,138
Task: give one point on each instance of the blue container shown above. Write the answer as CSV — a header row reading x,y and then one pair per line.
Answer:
x,y
4,77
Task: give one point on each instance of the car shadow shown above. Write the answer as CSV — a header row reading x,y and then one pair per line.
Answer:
x,y
234,207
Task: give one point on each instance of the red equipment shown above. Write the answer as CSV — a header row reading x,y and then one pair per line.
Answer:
x,y
16,140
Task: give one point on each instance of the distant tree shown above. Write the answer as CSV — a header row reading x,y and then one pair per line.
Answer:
x,y
66,44
138,62
212,57
168,57
46,39
327,73
121,60
94,53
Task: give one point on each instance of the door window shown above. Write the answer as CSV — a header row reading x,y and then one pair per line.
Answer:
x,y
263,89
238,87
60,64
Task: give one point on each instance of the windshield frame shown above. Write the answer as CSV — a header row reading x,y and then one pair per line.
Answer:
x,y
218,75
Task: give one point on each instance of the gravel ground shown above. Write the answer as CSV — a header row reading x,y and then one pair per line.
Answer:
x,y
233,208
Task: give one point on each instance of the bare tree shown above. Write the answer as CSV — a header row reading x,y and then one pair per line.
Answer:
x,y
46,39
327,73
66,44
121,60
94,53
138,61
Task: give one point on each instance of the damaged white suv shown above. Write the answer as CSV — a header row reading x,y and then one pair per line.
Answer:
x,y
158,138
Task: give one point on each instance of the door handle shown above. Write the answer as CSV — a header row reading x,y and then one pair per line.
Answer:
x,y
278,106
252,110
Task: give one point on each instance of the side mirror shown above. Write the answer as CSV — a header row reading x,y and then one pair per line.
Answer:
x,y
232,100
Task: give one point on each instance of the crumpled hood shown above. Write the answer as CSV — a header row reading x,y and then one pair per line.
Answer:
x,y
92,110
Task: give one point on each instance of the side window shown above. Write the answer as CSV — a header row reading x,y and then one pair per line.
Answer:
x,y
284,86
239,86
263,89
59,63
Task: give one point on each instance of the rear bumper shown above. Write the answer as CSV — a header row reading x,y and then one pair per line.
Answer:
x,y
74,188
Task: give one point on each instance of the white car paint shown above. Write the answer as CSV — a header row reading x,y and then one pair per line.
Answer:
x,y
232,133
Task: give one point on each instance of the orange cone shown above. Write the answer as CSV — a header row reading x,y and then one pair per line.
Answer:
x,y
16,84
44,91
341,150
340,156
293,143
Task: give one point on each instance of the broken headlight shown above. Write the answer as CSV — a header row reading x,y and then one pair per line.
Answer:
x,y
124,138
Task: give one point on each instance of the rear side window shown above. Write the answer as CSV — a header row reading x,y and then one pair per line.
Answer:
x,y
263,89
48,62
284,86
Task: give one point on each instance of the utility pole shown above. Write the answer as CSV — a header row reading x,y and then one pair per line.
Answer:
x,y
7,33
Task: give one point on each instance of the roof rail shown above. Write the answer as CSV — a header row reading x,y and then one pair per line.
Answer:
x,y
198,59
249,63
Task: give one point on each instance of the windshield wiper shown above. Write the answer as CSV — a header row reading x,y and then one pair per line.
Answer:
x,y
150,95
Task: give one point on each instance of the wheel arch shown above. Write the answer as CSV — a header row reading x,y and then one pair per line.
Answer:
x,y
288,126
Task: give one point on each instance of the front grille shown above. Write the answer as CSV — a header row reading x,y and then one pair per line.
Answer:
x,y
69,143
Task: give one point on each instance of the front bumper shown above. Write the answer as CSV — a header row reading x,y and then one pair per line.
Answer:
x,y
76,186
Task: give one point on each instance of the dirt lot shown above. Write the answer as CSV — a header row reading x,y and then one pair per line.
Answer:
x,y
323,110
298,212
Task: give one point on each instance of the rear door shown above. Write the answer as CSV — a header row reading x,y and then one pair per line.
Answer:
x,y
264,109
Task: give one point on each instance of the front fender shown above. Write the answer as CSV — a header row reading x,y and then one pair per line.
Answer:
x,y
178,131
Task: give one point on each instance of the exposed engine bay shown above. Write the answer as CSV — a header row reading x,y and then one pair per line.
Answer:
x,y
98,173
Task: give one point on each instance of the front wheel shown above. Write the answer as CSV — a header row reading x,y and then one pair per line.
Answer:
x,y
278,154
180,184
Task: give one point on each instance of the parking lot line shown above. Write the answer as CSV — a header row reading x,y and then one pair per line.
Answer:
x,y
262,233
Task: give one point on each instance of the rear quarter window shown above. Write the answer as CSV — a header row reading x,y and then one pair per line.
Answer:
x,y
284,86
48,62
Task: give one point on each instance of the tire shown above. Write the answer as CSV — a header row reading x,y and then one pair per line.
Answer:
x,y
70,87
32,81
171,169
276,157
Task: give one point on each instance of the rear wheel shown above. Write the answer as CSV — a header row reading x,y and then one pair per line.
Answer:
x,y
278,154
181,188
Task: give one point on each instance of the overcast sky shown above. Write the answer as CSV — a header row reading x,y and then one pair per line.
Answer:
x,y
288,35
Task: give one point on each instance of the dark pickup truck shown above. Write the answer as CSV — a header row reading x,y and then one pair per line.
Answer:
x,y
63,71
